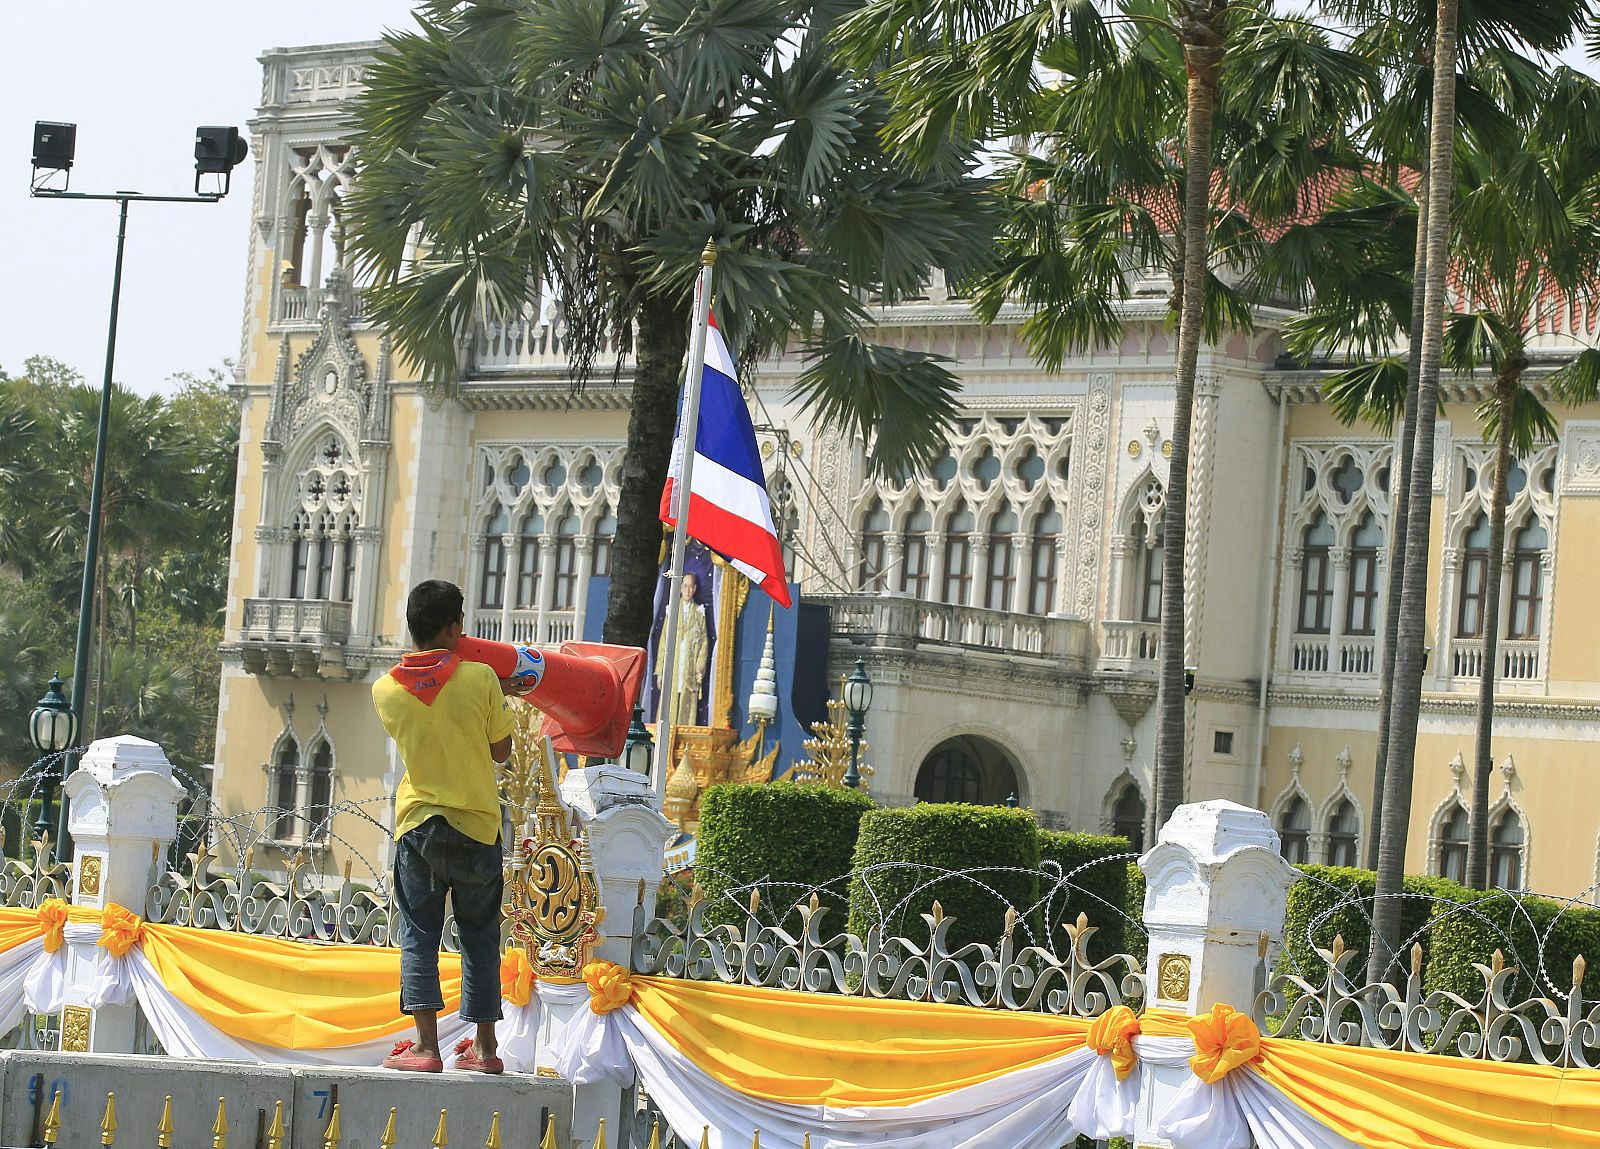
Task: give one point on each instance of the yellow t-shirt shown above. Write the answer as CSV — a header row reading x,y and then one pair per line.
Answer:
x,y
445,748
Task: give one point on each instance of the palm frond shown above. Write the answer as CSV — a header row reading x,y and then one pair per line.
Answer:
x,y
901,402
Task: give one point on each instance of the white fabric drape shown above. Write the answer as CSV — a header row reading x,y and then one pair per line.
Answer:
x,y
15,966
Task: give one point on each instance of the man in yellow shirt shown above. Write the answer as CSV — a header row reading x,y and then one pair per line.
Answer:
x,y
450,723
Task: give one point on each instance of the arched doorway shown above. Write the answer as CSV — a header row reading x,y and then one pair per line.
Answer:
x,y
967,768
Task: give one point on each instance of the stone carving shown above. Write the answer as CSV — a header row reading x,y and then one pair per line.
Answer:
x,y
1091,514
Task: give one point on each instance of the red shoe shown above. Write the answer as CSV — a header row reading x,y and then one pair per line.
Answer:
x,y
401,1057
472,1063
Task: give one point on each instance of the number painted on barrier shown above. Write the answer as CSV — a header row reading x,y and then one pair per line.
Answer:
x,y
322,1102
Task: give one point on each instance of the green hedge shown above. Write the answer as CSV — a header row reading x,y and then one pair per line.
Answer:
x,y
1516,926
1098,889
800,835
1326,887
952,837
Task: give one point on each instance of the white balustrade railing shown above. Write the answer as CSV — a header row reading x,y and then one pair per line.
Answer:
x,y
1358,654
899,620
291,304
523,343
310,620
527,627
1128,645
1518,658
1309,654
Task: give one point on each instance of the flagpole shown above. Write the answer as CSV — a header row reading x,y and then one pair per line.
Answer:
x,y
693,375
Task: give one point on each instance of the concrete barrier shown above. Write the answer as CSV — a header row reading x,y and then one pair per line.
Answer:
x,y
141,1084
29,1080
365,1097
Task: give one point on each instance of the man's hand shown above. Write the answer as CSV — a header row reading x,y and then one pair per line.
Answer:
x,y
512,686
500,750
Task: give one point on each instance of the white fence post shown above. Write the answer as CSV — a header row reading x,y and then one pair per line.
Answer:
x,y
123,815
1215,890
627,839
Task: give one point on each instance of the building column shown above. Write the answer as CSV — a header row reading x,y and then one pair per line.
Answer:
x,y
1340,558
547,585
580,595
978,567
894,561
1442,661
508,551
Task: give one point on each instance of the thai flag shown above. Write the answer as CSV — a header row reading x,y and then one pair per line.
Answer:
x,y
729,510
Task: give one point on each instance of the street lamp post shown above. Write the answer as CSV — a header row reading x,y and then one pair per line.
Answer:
x,y
857,701
639,750
217,151
52,728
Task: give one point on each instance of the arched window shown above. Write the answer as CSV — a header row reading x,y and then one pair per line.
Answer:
x,y
1042,564
1128,817
325,545
914,559
1344,832
605,533
966,768
1316,578
1506,842
321,786
1474,574
1527,581
347,588
1361,601
530,556
300,556
492,585
1000,580
1153,565
286,789
874,547
1294,832
566,578
1453,844
958,556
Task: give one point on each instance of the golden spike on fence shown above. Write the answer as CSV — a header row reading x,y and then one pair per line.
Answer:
x,y
330,1135
387,1140
494,1133
108,1123
1011,919
164,1128
938,912
1416,959
441,1138
1579,967
219,1127
1498,962
155,849
52,1120
548,1141
1263,944
275,1130
655,1136
1338,946
600,1135
640,902
755,901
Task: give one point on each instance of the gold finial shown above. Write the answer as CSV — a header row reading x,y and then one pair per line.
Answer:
x,y
52,1120
1263,943
655,1136
1498,962
705,1137
108,1123
219,1127
600,1135
494,1133
1338,946
708,257
756,1143
155,849
331,1135
1416,958
347,864
548,1141
164,1127
805,1142
387,1140
275,1130
441,1138
1580,966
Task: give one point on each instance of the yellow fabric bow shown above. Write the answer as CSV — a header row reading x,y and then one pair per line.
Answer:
x,y
53,917
1112,1036
120,929
610,987
1224,1039
516,976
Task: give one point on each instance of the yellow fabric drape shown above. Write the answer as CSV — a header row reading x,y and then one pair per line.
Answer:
x,y
1382,1099
286,993
53,914
18,926
1224,1039
1111,1035
516,976
812,1049
610,986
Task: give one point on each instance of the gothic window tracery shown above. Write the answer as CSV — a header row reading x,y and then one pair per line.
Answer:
x,y
566,563
530,546
321,177
914,568
492,586
1506,841
957,555
874,547
1451,843
1000,579
1128,814
1344,833
323,523
1047,528
283,788
1294,831
319,804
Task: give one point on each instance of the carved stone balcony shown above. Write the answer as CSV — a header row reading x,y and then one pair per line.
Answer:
x,y
1130,646
1518,658
900,622
295,637
526,627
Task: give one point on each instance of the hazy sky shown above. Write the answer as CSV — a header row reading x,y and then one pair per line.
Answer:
x,y
137,78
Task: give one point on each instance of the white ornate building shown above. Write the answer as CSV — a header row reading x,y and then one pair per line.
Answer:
x,y
1005,602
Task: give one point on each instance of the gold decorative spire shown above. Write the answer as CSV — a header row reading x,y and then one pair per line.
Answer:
x,y
219,1127
441,1138
52,1120
275,1130
388,1137
494,1133
164,1126
600,1135
548,1141
108,1123
332,1134
655,1136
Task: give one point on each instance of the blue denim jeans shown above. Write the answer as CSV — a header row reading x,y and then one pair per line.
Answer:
x,y
429,861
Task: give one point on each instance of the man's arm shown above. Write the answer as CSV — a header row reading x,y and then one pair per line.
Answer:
x,y
500,750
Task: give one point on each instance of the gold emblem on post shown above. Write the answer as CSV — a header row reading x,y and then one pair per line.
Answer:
x,y
75,1029
1172,977
89,875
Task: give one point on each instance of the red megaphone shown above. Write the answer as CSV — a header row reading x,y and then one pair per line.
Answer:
x,y
586,689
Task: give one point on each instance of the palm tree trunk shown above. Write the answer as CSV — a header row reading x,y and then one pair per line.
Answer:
x,y
1203,51
1483,752
1407,702
1400,498
662,340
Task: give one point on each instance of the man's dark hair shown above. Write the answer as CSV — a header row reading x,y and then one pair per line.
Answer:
x,y
432,606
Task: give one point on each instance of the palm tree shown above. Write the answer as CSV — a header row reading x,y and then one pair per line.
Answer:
x,y
592,147
1164,147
